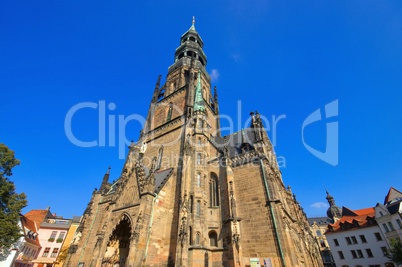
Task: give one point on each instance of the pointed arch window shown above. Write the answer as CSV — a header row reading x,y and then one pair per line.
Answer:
x,y
197,238
160,155
213,191
199,179
199,158
191,203
213,239
170,110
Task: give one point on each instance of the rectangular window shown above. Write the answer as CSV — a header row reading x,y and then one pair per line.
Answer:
x,y
399,223
354,240
378,236
363,239
359,253
46,252
354,255
191,204
384,251
340,253
386,229
348,241
54,253
336,242
391,226
53,235
62,235
369,253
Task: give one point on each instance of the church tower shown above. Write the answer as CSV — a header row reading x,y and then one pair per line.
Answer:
x,y
188,196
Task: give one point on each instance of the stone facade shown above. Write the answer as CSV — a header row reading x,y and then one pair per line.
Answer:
x,y
188,196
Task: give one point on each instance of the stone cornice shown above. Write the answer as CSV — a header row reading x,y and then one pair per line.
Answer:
x,y
244,158
178,91
165,128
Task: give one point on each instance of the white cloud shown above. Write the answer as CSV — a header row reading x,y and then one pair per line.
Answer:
x,y
319,205
214,75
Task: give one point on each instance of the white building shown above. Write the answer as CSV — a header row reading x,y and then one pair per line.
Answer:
x,y
357,241
389,215
25,249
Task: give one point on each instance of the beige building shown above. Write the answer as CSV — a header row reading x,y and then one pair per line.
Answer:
x,y
188,196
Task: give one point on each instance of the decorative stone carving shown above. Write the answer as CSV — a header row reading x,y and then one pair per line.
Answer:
x,y
137,229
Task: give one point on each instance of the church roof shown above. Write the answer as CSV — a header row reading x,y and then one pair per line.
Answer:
x,y
235,141
161,178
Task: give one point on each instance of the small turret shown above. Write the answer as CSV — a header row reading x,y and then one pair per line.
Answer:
x,y
256,125
334,212
105,186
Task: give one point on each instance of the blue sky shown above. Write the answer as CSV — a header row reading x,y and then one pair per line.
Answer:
x,y
282,58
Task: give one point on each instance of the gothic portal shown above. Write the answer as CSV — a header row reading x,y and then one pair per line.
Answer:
x,y
188,196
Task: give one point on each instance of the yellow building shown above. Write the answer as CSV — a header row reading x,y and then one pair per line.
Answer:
x,y
67,242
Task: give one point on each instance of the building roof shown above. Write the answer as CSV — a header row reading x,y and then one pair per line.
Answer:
x,y
38,216
352,219
30,230
319,221
392,194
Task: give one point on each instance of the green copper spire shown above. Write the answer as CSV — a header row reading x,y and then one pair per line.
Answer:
x,y
199,101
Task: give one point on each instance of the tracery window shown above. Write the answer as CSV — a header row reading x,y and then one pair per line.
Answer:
x,y
213,191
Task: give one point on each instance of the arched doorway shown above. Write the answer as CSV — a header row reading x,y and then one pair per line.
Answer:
x,y
118,245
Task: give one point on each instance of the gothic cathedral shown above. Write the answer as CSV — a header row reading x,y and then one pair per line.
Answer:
x,y
188,196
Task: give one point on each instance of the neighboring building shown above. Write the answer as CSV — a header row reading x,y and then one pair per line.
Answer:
x,y
75,222
26,248
389,215
319,226
52,232
188,196
357,241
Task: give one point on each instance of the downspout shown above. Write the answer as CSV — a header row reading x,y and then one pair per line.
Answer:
x,y
271,210
150,227
90,230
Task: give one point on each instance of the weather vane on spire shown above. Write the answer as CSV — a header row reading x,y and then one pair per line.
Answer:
x,y
193,20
